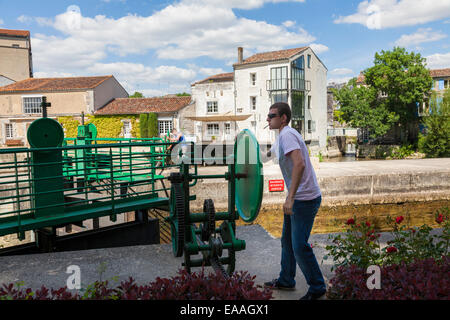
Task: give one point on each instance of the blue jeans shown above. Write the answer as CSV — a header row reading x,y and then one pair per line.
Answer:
x,y
295,248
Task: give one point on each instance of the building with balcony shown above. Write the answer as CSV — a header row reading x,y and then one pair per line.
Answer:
x,y
227,104
296,76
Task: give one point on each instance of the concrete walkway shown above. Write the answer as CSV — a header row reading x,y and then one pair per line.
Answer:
x,y
144,263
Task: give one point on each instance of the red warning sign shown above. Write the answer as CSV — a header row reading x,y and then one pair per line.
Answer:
x,y
276,185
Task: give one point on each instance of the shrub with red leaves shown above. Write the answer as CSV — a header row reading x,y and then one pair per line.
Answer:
x,y
420,280
184,286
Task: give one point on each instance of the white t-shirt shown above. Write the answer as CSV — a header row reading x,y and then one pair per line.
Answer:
x,y
289,140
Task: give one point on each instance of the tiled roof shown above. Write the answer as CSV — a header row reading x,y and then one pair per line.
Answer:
x,y
361,78
54,84
271,56
435,73
15,33
221,77
144,105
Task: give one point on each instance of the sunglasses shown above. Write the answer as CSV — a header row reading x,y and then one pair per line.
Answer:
x,y
272,115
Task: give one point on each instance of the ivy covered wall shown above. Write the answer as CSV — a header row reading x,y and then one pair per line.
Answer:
x,y
107,126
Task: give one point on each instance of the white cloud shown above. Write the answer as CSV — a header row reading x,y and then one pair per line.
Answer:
x,y
422,35
438,61
289,23
187,29
53,74
180,31
211,71
318,48
1,22
381,14
341,71
136,75
25,19
338,80
238,4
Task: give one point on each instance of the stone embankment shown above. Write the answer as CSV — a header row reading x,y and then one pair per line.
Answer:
x,y
350,183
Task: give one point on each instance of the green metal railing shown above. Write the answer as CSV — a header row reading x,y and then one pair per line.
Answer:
x,y
81,182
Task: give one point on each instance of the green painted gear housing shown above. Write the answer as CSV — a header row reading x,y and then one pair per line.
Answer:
x,y
45,133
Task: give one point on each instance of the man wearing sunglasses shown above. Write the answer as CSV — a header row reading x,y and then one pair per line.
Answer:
x,y
300,208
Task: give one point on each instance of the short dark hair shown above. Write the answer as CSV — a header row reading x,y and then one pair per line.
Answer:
x,y
282,108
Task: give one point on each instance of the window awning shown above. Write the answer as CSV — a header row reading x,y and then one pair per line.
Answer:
x,y
221,117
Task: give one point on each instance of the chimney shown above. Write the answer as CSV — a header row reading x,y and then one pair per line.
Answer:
x,y
240,54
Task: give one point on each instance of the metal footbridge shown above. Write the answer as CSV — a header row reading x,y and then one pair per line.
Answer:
x,y
58,182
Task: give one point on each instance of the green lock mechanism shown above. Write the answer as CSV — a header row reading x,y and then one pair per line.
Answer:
x,y
46,165
194,233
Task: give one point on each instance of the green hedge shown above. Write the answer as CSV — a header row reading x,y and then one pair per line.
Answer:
x,y
148,124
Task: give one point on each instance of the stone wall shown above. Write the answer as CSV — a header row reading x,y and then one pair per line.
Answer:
x,y
345,190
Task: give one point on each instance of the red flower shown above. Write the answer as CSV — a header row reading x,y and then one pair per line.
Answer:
x,y
367,223
399,219
391,249
440,218
350,221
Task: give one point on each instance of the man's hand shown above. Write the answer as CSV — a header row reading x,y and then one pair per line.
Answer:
x,y
288,204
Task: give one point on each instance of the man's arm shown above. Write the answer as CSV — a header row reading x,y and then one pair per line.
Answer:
x,y
297,174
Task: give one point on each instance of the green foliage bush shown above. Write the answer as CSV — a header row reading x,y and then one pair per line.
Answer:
x,y
404,151
436,141
153,125
70,125
148,124
360,245
143,125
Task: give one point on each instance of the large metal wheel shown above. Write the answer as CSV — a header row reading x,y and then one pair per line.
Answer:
x,y
177,218
249,176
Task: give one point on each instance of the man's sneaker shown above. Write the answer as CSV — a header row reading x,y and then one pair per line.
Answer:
x,y
312,296
274,284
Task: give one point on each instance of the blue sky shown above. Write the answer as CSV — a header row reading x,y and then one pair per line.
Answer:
x,y
160,47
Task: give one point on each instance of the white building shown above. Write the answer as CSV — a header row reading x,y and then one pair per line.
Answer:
x,y
216,118
228,103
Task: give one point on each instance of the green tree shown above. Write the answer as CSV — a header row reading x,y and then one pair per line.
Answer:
x,y
360,107
136,94
403,80
143,125
436,141
152,125
184,94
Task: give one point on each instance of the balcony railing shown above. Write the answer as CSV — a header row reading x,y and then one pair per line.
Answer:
x,y
288,84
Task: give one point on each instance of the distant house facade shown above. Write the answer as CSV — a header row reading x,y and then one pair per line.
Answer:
x,y
172,112
441,82
241,99
215,117
15,56
20,102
